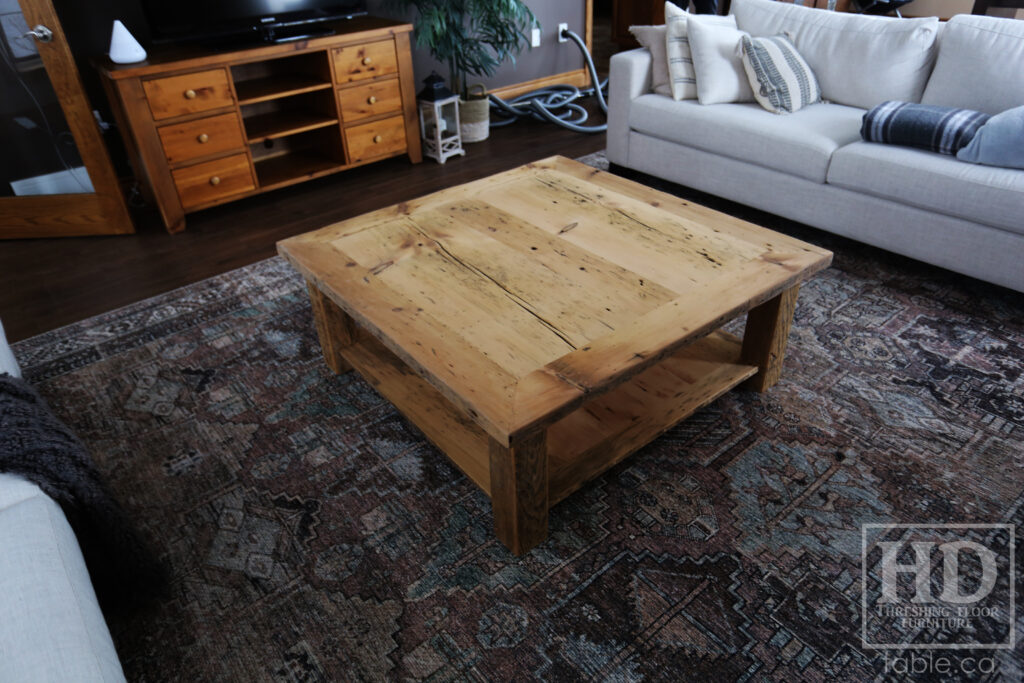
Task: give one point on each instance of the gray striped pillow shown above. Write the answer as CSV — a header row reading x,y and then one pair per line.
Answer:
x,y
780,78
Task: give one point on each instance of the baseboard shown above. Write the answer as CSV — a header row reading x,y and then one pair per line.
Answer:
x,y
579,78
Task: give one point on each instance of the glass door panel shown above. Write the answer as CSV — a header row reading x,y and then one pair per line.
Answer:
x,y
56,177
39,152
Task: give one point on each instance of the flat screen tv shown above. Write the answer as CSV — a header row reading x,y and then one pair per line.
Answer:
x,y
265,20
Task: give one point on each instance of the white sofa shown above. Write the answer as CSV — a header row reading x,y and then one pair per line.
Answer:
x,y
51,626
813,167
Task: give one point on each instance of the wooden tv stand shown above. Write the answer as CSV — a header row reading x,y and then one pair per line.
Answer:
x,y
205,127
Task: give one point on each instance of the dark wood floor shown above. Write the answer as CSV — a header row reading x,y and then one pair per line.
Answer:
x,y
48,283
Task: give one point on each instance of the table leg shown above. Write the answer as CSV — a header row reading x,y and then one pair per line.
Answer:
x,y
764,340
519,491
334,327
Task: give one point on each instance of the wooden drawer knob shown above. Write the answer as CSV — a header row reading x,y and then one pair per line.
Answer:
x,y
203,138
377,139
367,61
215,180
371,100
190,94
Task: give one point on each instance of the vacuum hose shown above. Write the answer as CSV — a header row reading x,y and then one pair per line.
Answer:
x,y
556,103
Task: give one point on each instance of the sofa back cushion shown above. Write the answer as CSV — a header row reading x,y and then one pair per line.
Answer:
x,y
860,61
980,65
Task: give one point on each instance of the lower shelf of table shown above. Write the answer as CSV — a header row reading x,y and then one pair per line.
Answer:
x,y
585,443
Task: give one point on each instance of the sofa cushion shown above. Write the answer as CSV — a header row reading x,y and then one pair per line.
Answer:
x,y
993,196
52,628
979,65
799,144
859,60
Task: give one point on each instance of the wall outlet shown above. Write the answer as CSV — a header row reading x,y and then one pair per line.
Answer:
x,y
535,37
561,38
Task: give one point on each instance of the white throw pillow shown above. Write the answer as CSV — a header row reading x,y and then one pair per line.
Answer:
x,y
682,77
780,78
717,61
860,60
653,38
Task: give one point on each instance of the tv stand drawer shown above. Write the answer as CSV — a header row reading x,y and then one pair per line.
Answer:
x,y
372,99
376,139
212,180
358,62
202,137
188,93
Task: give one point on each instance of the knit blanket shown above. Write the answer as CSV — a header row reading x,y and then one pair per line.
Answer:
x,y
925,126
37,446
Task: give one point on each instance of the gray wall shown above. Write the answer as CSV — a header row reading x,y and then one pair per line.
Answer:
x,y
550,58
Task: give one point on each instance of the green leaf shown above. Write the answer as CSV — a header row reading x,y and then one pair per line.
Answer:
x,y
474,37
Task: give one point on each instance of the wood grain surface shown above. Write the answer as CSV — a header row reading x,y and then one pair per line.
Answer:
x,y
334,329
519,491
765,336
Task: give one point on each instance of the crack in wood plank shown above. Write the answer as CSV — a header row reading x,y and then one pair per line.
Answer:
x,y
512,296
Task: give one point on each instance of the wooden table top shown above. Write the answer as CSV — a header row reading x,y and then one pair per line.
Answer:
x,y
521,294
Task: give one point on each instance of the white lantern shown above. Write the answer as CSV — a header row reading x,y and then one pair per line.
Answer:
x,y
439,120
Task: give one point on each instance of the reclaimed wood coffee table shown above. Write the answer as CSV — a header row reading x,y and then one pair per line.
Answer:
x,y
542,324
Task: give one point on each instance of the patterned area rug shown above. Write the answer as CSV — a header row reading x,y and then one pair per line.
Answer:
x,y
314,535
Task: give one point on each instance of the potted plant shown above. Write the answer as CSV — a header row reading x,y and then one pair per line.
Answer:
x,y
473,37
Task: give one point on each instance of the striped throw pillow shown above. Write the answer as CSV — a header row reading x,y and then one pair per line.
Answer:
x,y
926,126
780,78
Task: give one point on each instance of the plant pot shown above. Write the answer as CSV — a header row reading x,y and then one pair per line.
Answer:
x,y
475,115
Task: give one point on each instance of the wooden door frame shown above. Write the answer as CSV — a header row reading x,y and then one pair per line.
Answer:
x,y
104,211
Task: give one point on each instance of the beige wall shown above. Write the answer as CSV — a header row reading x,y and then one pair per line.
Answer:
x,y
947,8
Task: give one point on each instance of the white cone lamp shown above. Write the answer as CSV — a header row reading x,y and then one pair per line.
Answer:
x,y
124,49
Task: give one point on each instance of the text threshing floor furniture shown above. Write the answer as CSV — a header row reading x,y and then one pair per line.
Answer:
x,y
542,324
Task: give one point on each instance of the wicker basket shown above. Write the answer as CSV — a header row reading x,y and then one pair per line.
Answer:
x,y
475,115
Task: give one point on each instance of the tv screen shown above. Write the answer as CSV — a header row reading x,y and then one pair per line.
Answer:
x,y
187,20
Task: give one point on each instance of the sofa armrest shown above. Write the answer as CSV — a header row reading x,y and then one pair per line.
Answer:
x,y
52,628
629,77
